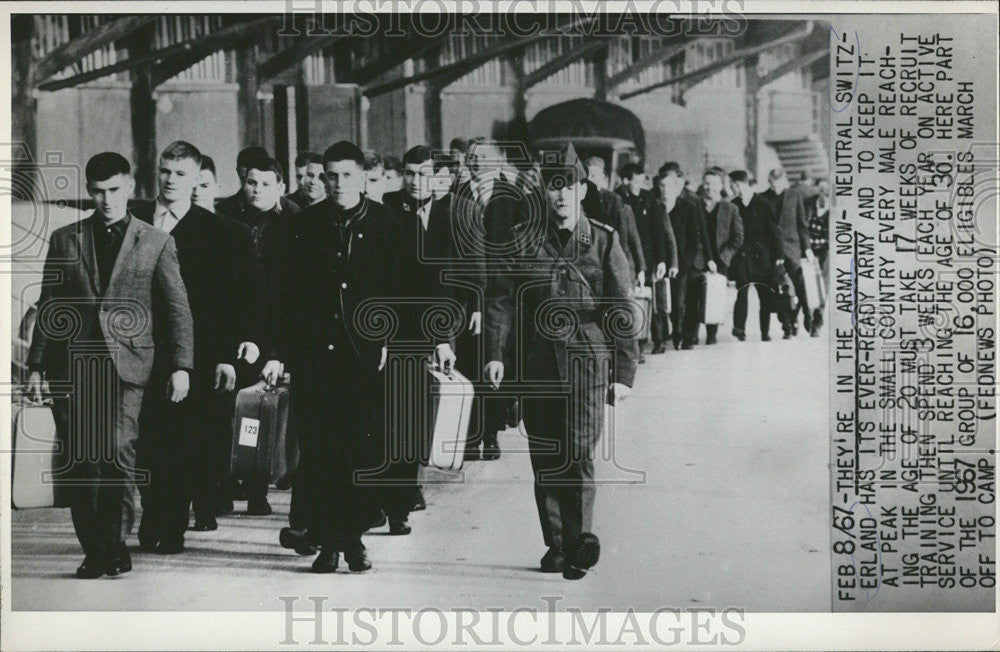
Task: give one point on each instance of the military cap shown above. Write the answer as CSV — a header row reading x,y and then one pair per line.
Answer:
x,y
561,167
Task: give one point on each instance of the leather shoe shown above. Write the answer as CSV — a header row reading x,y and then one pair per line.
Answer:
x,y
710,339
356,557
379,520
583,553
170,547
93,566
326,561
418,504
224,507
765,337
491,448
259,507
658,349
471,454
297,540
398,526
147,542
553,560
120,561
205,524
740,334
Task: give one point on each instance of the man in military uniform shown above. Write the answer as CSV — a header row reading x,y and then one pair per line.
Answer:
x,y
569,279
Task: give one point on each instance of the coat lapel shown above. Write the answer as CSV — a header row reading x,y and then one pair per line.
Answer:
x,y
88,252
129,242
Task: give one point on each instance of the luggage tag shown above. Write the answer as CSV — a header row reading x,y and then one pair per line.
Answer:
x,y
249,430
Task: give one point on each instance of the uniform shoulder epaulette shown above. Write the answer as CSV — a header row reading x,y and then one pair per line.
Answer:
x,y
602,225
520,225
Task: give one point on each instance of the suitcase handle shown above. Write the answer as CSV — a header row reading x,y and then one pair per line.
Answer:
x,y
436,367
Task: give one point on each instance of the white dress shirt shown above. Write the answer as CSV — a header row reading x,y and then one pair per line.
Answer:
x,y
166,218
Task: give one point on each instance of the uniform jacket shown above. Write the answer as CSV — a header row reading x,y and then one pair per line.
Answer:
x,y
222,273
588,277
608,207
145,296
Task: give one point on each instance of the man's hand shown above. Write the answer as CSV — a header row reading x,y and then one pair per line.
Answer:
x,y
810,256
712,267
272,371
178,386
476,323
673,272
34,389
661,271
444,357
494,373
640,278
619,393
385,356
225,377
248,351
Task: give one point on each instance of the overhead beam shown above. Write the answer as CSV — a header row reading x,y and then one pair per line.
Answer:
x,y
668,51
289,57
72,51
453,71
796,63
209,44
191,51
694,76
412,48
549,68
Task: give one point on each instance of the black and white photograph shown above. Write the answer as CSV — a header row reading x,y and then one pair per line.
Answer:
x,y
430,326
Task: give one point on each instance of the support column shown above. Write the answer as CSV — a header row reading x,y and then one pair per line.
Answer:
x,y
24,109
600,61
432,106
247,102
752,86
143,109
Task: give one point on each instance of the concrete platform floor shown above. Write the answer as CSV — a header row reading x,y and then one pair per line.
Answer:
x,y
717,497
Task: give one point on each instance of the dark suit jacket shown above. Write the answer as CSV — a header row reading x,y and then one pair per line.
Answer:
x,y
728,232
792,223
145,295
761,243
442,262
221,272
235,205
690,230
657,234
607,207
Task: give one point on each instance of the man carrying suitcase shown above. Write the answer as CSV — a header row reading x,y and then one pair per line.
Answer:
x,y
329,324
564,264
104,273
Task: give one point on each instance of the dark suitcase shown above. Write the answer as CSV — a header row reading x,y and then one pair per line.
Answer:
x,y
38,453
451,397
262,447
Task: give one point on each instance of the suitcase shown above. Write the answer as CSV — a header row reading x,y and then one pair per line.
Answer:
x,y
644,296
451,397
261,444
664,287
811,280
715,298
38,451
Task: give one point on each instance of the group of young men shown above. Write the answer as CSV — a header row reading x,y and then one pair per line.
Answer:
x,y
352,286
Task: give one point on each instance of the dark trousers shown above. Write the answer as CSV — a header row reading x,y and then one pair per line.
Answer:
x,y
186,446
101,433
688,296
765,298
790,320
659,328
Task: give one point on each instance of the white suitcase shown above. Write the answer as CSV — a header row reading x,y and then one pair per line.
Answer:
x,y
715,298
810,278
450,408
37,453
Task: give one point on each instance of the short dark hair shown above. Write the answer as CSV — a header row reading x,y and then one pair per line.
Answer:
x,y
671,167
392,163
208,164
629,170
372,160
247,155
460,144
423,153
344,151
105,165
715,171
775,174
179,150
305,158
739,176
267,164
